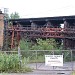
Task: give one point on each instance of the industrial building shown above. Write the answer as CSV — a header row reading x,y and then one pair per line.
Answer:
x,y
61,28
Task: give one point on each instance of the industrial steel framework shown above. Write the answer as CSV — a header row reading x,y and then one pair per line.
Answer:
x,y
47,27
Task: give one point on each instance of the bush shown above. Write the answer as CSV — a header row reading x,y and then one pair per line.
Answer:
x,y
25,45
11,63
48,44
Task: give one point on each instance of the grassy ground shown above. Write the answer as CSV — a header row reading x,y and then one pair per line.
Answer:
x,y
73,73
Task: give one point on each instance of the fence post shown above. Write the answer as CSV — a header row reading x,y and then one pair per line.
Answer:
x,y
19,55
72,60
36,59
53,66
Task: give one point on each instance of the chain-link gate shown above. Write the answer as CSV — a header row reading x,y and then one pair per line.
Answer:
x,y
36,59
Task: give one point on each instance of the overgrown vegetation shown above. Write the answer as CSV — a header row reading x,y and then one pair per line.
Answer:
x,y
73,73
11,63
39,44
25,45
48,44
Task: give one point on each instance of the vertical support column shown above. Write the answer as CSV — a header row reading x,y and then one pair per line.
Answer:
x,y
68,43
74,44
66,24
1,28
15,37
64,43
33,25
49,28
12,38
33,28
65,40
49,24
5,38
18,36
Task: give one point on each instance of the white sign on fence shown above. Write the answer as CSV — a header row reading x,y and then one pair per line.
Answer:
x,y
54,60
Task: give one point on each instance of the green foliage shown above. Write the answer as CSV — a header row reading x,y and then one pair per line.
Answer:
x,y
10,63
25,45
73,73
48,44
14,15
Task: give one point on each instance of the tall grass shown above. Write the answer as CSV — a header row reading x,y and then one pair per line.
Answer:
x,y
11,63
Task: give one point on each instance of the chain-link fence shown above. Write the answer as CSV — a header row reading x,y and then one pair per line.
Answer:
x,y
35,59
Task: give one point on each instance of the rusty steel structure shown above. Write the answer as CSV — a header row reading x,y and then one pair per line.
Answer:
x,y
61,28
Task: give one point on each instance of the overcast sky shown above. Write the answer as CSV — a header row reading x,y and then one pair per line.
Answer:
x,y
39,8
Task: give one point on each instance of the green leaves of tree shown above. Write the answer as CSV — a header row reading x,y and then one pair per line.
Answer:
x,y
14,15
47,44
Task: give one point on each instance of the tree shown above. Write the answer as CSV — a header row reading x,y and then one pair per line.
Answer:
x,y
14,15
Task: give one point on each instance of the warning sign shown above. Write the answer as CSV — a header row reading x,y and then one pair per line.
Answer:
x,y
54,60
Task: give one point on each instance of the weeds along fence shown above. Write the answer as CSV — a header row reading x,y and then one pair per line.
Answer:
x,y
35,59
10,62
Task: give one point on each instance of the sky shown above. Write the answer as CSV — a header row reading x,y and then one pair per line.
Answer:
x,y
39,8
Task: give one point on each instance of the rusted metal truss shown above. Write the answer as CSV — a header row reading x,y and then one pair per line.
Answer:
x,y
39,33
49,27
